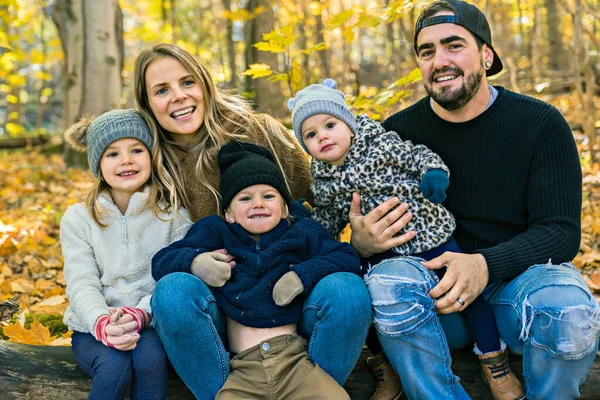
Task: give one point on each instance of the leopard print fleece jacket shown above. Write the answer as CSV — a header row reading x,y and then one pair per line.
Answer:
x,y
380,165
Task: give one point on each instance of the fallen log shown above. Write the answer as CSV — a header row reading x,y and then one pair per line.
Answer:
x,y
24,142
32,372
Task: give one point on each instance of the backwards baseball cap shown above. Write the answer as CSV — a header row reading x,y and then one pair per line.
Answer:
x,y
469,17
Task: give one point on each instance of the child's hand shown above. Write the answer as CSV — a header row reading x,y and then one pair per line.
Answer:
x,y
434,185
213,267
125,342
120,323
287,288
141,317
229,257
106,334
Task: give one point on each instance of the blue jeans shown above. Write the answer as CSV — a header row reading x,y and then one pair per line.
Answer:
x,y
547,314
112,370
336,318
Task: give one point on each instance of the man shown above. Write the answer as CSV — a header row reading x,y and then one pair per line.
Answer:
x,y
516,195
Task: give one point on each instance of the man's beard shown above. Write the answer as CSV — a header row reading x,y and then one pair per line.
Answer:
x,y
454,100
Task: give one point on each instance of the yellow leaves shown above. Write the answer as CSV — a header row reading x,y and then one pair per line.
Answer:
x,y
340,19
258,71
278,40
37,335
296,76
412,77
15,80
241,14
36,56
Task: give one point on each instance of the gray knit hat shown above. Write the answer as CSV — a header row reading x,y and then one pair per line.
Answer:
x,y
97,134
319,99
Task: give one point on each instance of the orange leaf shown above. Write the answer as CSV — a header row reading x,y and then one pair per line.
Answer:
x,y
7,248
37,335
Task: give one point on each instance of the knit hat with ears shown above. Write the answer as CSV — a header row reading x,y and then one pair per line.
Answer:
x,y
319,99
97,134
246,164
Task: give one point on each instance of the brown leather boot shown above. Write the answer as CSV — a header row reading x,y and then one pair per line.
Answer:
x,y
496,372
388,386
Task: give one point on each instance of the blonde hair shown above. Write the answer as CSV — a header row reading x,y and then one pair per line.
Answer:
x,y
164,196
227,116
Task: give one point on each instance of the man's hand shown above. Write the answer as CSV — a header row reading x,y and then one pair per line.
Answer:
x,y
213,267
374,233
465,278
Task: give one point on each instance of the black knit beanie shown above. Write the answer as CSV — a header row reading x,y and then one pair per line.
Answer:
x,y
246,164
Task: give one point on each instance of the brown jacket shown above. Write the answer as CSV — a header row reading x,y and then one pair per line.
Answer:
x,y
202,202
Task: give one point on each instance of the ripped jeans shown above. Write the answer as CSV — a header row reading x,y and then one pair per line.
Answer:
x,y
547,314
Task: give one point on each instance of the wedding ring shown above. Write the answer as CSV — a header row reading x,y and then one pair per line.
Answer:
x,y
461,301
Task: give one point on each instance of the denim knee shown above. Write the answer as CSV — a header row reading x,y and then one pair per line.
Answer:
x,y
176,292
561,316
399,290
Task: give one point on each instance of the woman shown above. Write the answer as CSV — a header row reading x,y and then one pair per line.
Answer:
x,y
192,119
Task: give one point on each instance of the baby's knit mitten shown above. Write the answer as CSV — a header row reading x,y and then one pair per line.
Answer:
x,y
287,288
434,185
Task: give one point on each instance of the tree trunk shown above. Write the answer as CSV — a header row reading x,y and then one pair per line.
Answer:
x,y
324,55
250,52
554,37
42,372
233,79
91,34
270,97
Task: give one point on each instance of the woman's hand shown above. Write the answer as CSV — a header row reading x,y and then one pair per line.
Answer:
x,y
213,267
374,233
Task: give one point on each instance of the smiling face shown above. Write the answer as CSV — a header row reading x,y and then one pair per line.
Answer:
x,y
176,98
125,165
327,138
258,209
451,63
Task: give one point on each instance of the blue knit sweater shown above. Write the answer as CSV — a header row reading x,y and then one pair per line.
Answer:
x,y
304,247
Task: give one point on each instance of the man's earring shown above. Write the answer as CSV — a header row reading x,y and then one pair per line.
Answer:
x,y
488,64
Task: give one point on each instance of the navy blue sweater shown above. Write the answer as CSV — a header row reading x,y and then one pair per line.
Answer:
x,y
515,183
247,297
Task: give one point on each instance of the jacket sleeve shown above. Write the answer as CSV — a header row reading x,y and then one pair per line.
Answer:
x,y
553,205
82,273
204,235
182,222
325,256
333,222
180,225
416,160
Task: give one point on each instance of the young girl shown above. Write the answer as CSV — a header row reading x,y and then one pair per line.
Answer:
x,y
108,241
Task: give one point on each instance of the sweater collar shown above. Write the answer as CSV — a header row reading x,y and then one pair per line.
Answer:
x,y
467,124
265,239
137,204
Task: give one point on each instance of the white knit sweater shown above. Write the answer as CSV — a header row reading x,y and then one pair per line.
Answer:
x,y
111,267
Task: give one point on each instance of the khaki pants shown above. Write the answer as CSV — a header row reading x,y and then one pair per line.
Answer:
x,y
278,368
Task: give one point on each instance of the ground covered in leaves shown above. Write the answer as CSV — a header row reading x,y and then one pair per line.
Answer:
x,y
35,191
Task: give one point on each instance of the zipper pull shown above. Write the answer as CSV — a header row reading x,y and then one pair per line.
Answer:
x,y
124,227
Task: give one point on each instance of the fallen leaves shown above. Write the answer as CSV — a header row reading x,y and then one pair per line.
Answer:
x,y
37,335
35,191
